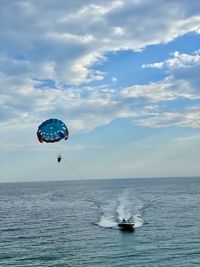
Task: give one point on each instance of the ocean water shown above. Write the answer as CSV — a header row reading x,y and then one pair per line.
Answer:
x,y
74,223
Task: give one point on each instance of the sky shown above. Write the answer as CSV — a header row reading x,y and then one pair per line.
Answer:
x,y
122,74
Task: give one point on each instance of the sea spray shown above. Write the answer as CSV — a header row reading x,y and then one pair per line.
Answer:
x,y
127,205
107,218
138,221
124,206
107,222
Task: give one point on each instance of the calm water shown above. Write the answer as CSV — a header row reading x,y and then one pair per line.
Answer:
x,y
75,223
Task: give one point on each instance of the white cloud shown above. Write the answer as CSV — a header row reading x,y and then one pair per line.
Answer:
x,y
167,90
182,74
89,107
188,118
114,79
154,91
177,61
189,138
61,40
86,108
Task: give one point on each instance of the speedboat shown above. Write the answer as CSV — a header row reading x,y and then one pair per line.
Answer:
x,y
126,225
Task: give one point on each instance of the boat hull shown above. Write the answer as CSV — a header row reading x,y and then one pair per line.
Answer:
x,y
126,226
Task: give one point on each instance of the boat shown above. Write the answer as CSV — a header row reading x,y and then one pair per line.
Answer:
x,y
126,225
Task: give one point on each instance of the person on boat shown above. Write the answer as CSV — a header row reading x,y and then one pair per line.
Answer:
x,y
123,220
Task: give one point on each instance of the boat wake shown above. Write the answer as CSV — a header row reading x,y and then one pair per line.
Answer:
x,y
127,206
107,217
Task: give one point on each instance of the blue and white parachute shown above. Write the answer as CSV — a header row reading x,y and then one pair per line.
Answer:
x,y
52,130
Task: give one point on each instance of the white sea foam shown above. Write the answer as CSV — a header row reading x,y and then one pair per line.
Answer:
x,y
107,218
107,222
138,221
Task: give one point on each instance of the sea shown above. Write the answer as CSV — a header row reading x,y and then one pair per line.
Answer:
x,y
75,223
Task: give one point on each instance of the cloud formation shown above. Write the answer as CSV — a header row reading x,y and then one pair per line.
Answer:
x,y
60,41
189,138
188,118
177,61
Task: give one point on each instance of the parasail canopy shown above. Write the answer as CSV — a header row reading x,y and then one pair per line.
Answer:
x,y
52,130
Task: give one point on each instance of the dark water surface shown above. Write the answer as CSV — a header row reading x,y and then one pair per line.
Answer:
x,y
74,223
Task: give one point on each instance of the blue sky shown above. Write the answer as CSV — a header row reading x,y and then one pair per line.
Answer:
x,y
123,76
